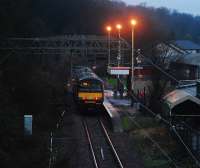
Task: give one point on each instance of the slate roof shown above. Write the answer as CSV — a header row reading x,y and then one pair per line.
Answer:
x,y
192,90
191,59
186,45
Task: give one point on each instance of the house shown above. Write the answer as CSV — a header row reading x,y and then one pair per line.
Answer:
x,y
187,67
186,46
182,58
178,47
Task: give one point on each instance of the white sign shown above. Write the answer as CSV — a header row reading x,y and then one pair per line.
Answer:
x,y
118,70
28,124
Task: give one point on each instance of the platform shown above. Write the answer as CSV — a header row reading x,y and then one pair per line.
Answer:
x,y
114,116
116,108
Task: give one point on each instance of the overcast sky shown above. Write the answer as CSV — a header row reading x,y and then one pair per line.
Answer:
x,y
187,6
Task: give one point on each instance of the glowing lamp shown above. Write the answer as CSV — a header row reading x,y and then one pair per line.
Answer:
x,y
133,22
109,28
119,27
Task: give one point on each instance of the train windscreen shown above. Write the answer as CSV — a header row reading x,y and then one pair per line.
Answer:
x,y
90,86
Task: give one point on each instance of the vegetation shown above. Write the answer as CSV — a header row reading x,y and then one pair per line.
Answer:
x,y
50,17
32,88
154,143
161,83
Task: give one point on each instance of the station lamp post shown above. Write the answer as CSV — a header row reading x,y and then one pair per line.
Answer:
x,y
133,24
119,27
109,29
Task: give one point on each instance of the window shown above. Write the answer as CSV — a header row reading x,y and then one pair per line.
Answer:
x,y
90,86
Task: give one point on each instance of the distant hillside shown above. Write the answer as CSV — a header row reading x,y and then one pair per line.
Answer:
x,y
52,17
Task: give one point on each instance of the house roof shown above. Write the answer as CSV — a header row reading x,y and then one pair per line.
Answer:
x,y
186,45
177,97
191,89
191,59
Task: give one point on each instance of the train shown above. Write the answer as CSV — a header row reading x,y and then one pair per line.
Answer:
x,y
88,88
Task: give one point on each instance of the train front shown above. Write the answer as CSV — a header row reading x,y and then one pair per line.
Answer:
x,y
90,92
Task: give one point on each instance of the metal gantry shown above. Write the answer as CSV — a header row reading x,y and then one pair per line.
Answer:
x,y
87,49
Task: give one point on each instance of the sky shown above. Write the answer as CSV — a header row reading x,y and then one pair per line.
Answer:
x,y
186,6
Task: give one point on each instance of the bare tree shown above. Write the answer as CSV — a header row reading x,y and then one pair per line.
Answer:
x,y
161,58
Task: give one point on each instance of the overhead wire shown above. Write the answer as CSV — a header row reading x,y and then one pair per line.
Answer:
x,y
171,126
156,144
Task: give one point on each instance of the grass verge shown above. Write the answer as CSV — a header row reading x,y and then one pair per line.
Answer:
x,y
154,143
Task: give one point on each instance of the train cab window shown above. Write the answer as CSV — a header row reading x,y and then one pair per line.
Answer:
x,y
90,86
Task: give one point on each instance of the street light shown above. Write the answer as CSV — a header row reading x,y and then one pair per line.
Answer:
x,y
133,24
119,27
109,29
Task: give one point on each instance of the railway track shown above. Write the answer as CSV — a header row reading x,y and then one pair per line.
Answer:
x,y
103,152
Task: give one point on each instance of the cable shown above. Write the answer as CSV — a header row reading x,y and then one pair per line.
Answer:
x,y
164,120
190,128
155,65
186,147
156,143
160,69
168,123
149,110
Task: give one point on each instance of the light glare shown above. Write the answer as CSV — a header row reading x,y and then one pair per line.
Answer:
x,y
133,22
108,28
118,26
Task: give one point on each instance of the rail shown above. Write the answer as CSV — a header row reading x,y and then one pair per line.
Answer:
x,y
108,140
90,144
111,145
